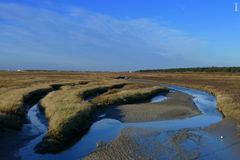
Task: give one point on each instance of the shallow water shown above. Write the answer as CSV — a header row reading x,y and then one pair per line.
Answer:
x,y
37,122
158,98
106,130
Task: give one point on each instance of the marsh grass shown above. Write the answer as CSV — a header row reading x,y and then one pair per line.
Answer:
x,y
68,107
127,96
69,114
68,111
225,86
13,102
20,88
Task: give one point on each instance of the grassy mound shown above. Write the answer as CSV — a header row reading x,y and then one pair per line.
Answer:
x,y
12,104
69,113
127,96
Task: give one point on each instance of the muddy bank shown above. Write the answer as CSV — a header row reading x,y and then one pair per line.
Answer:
x,y
176,105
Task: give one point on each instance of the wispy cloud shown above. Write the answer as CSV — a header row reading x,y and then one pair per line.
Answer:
x,y
80,39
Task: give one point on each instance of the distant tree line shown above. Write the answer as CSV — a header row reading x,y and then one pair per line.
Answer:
x,y
196,69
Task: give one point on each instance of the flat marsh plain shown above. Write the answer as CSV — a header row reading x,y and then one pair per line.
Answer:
x,y
68,99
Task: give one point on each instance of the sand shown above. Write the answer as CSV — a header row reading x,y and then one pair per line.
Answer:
x,y
136,143
178,105
142,144
230,130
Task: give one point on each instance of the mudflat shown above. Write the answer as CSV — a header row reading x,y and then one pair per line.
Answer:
x,y
177,105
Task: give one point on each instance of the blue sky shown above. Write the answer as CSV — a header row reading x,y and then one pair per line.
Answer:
x,y
118,35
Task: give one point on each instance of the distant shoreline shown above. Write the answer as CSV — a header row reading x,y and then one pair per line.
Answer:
x,y
232,69
195,69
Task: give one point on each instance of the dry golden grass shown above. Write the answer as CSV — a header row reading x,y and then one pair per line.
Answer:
x,y
69,113
225,86
13,104
17,88
129,94
65,103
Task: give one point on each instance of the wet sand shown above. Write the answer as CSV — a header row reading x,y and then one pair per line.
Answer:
x,y
178,105
184,144
230,130
125,146
136,143
142,144
195,143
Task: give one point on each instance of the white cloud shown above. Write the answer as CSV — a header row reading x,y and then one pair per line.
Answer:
x,y
90,39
